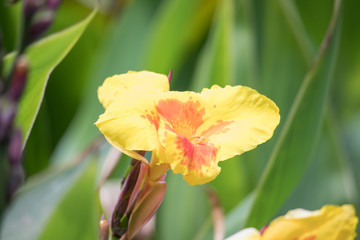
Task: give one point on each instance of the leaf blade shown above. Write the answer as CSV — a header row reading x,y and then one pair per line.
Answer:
x,y
281,174
36,201
41,66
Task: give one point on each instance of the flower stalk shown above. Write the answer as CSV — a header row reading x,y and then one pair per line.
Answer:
x,y
138,201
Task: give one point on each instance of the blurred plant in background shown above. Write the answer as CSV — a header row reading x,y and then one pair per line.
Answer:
x,y
37,17
304,55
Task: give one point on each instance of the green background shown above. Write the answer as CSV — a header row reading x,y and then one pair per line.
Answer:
x,y
273,46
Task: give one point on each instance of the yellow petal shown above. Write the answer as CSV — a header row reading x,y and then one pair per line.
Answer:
x,y
246,234
239,119
130,153
329,223
131,121
157,170
113,86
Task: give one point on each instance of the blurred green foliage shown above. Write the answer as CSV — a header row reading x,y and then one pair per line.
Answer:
x,y
312,160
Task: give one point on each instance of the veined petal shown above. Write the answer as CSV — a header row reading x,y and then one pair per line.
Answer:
x,y
115,85
239,119
330,223
131,121
196,160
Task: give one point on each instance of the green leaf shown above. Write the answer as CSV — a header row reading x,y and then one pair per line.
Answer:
x,y
178,26
117,54
43,57
73,70
76,217
216,63
182,211
54,205
9,24
328,175
298,136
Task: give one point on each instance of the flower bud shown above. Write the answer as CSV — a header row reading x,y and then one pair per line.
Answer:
x,y
15,148
146,206
31,7
41,23
52,4
104,227
18,80
118,227
7,115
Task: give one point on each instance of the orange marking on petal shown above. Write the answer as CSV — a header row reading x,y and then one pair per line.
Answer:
x,y
184,117
154,119
218,128
195,155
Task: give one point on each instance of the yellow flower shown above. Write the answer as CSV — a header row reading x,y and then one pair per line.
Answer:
x,y
191,132
329,223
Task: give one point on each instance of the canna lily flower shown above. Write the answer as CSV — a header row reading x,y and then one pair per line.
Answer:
x,y
329,223
186,131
